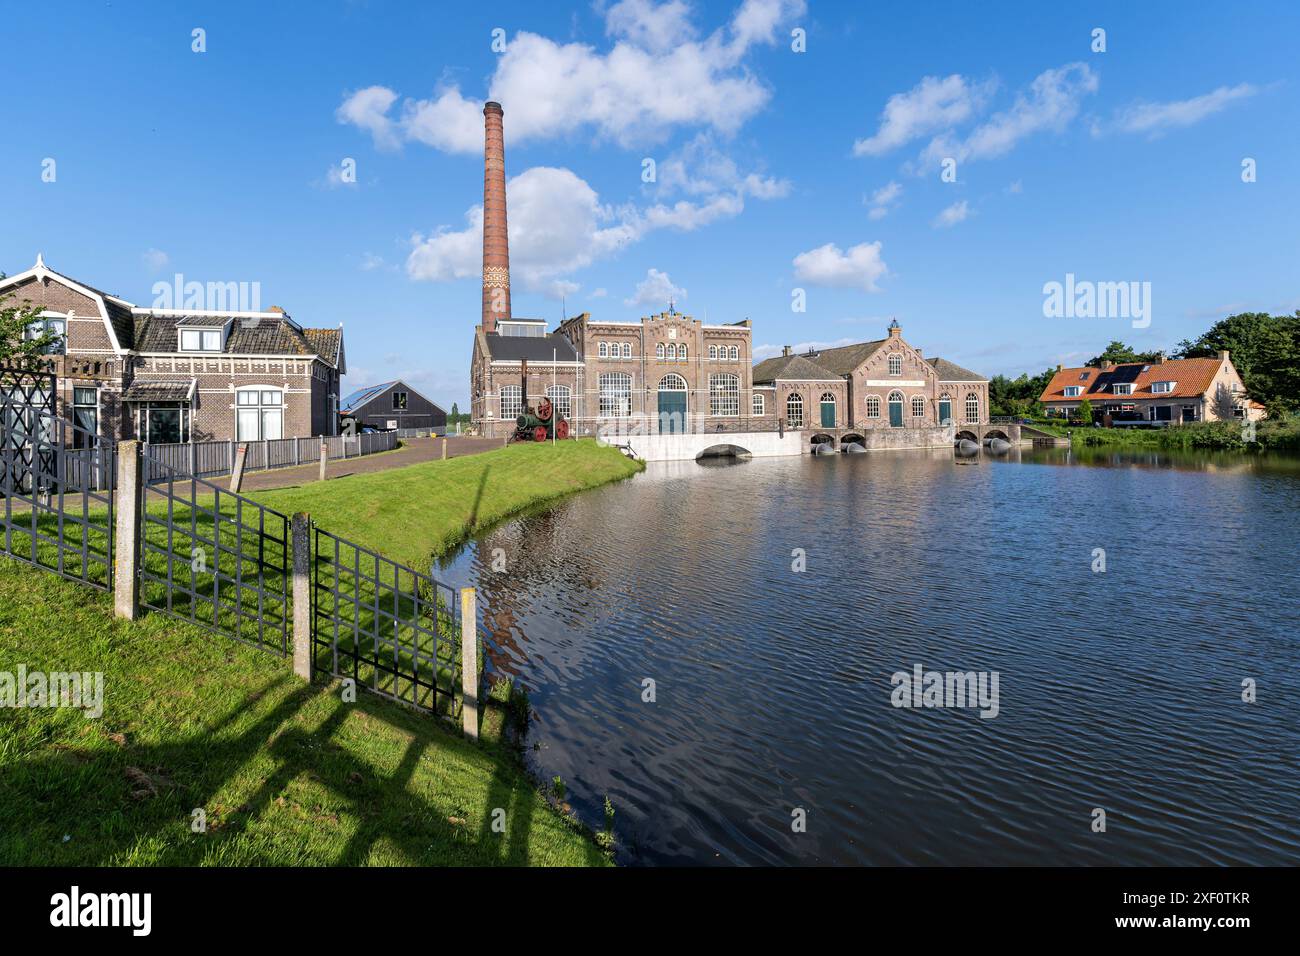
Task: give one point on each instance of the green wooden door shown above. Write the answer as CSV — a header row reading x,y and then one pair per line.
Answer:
x,y
672,413
895,414
945,411
828,414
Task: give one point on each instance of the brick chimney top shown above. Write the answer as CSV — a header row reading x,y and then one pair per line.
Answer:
x,y
496,238
785,351
1160,358
1107,364
1223,355
276,308
1058,366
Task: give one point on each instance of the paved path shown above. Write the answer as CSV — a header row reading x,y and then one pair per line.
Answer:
x,y
413,451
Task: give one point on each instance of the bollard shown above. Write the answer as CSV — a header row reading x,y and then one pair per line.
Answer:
x,y
469,662
130,502
324,456
301,535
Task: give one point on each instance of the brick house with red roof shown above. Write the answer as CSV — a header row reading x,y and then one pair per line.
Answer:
x,y
1166,390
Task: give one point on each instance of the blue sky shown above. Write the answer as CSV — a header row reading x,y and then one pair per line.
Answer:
x,y
1123,165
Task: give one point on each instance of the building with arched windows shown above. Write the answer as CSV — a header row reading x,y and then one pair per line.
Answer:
x,y
882,384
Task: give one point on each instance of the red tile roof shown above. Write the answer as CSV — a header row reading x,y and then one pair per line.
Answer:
x,y
1192,378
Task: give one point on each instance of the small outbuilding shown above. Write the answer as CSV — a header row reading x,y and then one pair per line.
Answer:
x,y
393,406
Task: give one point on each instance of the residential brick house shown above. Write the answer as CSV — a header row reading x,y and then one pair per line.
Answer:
x,y
1166,390
886,383
182,375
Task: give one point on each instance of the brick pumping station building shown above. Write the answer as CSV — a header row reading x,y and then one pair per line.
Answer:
x,y
671,373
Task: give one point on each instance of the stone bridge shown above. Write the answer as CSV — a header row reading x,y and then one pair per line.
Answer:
x,y
690,446
929,436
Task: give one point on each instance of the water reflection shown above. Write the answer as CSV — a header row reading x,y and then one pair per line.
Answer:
x,y
1119,690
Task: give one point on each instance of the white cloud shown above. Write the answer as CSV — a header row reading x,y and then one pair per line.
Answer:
x,y
656,289
700,168
827,265
957,212
1156,118
932,104
155,260
557,225
883,200
654,27
1052,101
636,92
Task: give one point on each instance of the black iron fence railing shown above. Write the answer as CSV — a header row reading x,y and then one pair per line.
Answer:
x,y
390,628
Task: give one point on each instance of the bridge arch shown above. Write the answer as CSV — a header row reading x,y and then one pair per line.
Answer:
x,y
724,450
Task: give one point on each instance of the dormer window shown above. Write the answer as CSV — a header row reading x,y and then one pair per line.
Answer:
x,y
200,340
1122,388
52,324
1162,388
1083,377
1073,391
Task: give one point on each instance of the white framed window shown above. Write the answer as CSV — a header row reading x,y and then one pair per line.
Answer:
x,y
713,353
659,351
1161,388
561,397
54,323
734,354
758,407
512,401
794,410
918,406
681,352
85,415
724,395
895,364
1122,388
603,350
873,406
972,408
627,350
615,394
259,414
1073,391
200,340
672,353
164,423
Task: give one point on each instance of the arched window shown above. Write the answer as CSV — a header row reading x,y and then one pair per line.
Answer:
x,y
895,409
895,364
734,354
512,402
562,398
972,407
602,350
758,407
724,395
659,351
627,350
918,406
794,410
873,406
615,394
672,353
681,352
945,408
672,382
713,353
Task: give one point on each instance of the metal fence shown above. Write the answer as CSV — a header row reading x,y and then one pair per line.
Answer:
x,y
214,558
207,459
392,629
56,480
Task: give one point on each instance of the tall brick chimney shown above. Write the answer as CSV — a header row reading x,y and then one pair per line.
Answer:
x,y
496,242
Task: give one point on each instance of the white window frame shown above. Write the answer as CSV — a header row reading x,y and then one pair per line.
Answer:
x,y
209,340
724,395
262,407
895,364
514,396
873,406
733,354
561,398
1162,388
758,405
660,353
1122,388
972,399
794,410
918,406
1073,391
615,394
602,350
627,350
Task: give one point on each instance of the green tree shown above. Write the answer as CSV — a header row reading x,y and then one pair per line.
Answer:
x,y
455,413
17,350
1265,349
1119,353
1085,411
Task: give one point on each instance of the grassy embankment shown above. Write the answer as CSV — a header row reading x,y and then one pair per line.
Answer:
x,y
1279,434
285,772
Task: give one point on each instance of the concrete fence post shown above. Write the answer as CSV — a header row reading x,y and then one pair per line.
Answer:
x,y
301,536
444,447
126,560
324,456
237,475
469,662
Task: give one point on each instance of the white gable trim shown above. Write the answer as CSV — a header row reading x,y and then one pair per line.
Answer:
x,y
41,273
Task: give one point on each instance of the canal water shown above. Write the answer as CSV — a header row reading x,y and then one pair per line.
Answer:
x,y
1118,690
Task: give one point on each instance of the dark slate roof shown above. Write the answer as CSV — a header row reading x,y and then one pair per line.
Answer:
x,y
203,321
118,314
248,336
952,372
844,359
363,395
533,348
158,391
792,368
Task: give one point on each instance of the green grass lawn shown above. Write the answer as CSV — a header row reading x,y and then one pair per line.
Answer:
x,y
286,773
412,513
